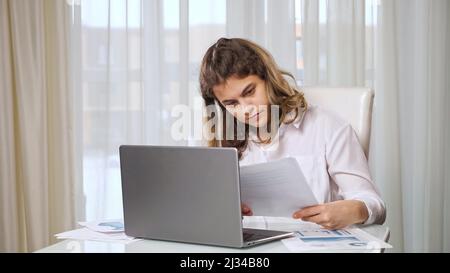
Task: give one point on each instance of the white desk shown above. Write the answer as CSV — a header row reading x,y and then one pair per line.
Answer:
x,y
152,246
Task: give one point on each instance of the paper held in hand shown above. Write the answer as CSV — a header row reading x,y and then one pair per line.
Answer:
x,y
276,188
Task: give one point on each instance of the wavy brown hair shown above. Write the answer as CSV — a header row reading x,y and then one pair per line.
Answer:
x,y
242,58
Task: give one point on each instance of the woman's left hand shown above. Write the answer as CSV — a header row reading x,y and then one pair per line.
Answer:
x,y
335,215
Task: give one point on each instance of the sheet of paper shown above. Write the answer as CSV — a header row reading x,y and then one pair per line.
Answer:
x,y
107,226
276,188
104,231
288,224
90,235
320,239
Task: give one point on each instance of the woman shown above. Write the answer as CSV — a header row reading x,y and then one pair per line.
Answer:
x,y
244,80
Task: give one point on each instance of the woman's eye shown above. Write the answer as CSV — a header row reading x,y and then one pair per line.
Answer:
x,y
250,92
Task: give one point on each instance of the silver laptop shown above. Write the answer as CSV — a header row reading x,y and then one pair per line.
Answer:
x,y
186,194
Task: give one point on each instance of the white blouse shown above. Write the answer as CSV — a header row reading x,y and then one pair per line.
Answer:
x,y
330,156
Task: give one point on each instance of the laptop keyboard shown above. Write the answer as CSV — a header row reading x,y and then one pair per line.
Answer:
x,y
249,236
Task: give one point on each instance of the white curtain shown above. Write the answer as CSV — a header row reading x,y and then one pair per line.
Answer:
x,y
38,175
335,36
401,49
411,150
270,23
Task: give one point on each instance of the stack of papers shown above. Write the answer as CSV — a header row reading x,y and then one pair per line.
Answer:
x,y
343,239
310,237
104,231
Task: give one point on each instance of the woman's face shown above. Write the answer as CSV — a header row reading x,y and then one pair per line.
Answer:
x,y
245,98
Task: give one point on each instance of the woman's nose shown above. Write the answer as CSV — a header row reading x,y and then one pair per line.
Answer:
x,y
248,109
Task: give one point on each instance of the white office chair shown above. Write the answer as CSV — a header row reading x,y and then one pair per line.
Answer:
x,y
352,104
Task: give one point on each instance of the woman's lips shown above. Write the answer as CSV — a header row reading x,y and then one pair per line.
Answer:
x,y
255,116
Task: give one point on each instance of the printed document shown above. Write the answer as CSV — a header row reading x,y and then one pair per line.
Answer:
x,y
276,188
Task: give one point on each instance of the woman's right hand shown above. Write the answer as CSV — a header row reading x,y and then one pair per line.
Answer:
x,y
246,210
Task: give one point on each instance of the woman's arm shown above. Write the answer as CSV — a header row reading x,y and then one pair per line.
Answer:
x,y
348,168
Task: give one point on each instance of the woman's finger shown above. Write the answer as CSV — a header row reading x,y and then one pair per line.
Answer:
x,y
318,219
324,221
246,210
308,212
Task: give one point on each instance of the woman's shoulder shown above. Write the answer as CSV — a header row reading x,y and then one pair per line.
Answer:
x,y
323,115
324,119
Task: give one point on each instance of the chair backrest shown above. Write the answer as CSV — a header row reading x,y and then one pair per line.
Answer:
x,y
352,104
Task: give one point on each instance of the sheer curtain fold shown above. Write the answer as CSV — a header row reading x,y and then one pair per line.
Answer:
x,y
422,40
311,35
410,129
346,42
385,158
270,23
334,42
10,236
38,178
